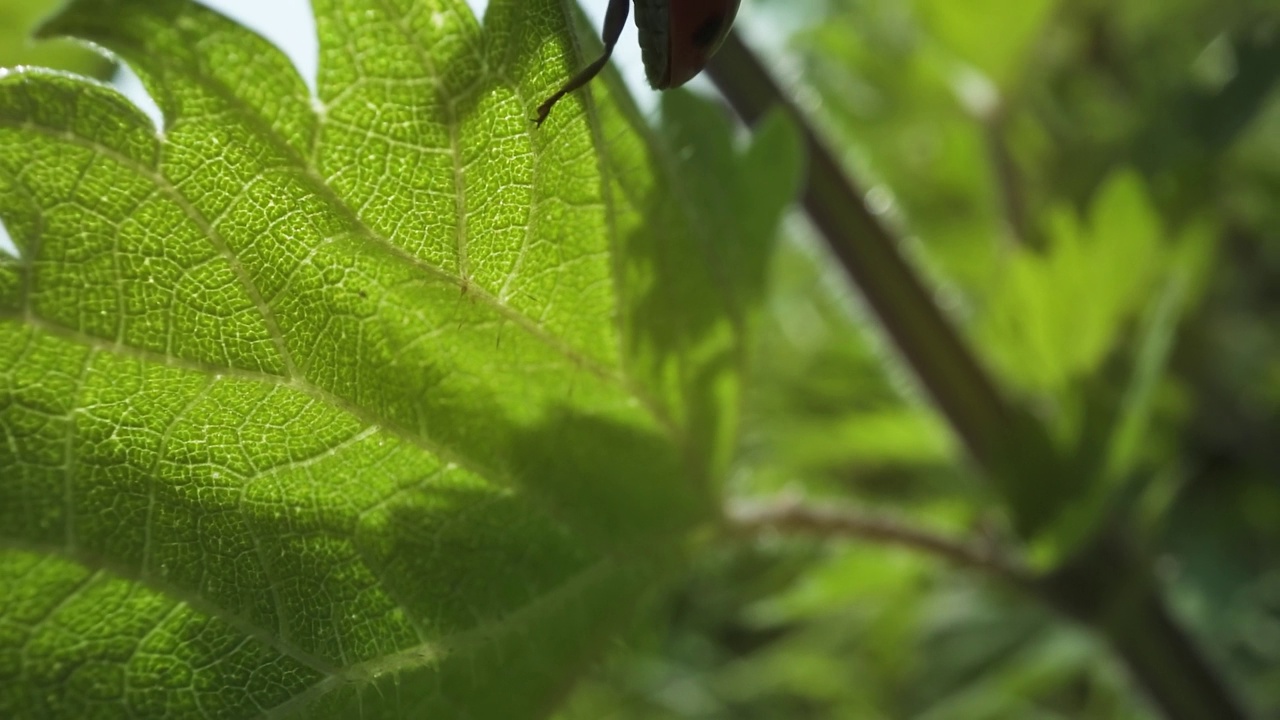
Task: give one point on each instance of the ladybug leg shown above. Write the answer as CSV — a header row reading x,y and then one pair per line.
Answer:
x,y
615,19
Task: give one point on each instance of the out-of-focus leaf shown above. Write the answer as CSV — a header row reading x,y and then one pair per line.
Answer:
x,y
1155,342
18,20
739,196
1056,316
902,437
992,35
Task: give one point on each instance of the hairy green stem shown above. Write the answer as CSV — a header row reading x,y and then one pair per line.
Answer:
x,y
869,254
999,436
1103,586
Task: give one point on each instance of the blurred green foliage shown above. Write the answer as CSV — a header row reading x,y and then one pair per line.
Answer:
x,y
18,20
1092,187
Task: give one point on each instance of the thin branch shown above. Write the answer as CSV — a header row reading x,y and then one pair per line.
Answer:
x,y
794,517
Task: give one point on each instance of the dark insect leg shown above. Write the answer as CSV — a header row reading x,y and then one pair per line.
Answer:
x,y
615,18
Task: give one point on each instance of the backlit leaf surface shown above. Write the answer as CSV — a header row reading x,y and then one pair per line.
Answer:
x,y
363,404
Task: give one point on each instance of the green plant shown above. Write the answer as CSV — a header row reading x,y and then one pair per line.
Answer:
x,y
384,402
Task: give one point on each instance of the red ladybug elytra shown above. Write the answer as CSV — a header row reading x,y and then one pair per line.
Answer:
x,y
677,38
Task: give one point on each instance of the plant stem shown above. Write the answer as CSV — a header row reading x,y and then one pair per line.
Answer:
x,y
1008,180
793,517
869,254
1103,586
1097,588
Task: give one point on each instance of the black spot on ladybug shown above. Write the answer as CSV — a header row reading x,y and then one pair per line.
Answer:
x,y
708,31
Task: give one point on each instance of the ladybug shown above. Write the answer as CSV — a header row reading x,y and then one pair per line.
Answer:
x,y
677,38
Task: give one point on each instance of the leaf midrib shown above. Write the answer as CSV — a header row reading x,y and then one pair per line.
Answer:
x,y
334,675
180,596
361,414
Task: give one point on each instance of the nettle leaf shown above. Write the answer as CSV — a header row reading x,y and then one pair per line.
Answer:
x,y
376,402
1055,317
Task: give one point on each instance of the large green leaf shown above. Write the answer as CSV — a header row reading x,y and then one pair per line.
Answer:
x,y
375,402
